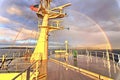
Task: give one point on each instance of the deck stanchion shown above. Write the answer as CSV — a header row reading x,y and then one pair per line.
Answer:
x,y
96,57
103,55
3,61
28,74
90,56
113,57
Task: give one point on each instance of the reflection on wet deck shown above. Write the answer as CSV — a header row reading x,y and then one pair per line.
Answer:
x,y
94,64
58,72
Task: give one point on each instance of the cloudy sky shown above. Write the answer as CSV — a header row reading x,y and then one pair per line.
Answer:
x,y
88,20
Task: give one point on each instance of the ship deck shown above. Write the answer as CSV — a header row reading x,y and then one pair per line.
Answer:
x,y
55,71
94,64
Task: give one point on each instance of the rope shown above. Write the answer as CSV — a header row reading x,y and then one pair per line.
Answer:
x,y
15,39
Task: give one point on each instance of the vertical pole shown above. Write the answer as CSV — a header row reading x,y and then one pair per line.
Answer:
x,y
28,74
103,55
66,54
66,44
107,55
3,60
37,71
113,57
96,57
118,59
90,57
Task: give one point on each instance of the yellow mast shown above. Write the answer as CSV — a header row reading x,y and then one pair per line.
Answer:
x,y
41,49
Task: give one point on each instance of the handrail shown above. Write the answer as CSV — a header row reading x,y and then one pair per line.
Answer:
x,y
112,56
82,71
26,70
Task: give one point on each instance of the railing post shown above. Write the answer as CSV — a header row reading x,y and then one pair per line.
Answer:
x,y
90,56
107,55
113,57
3,61
118,59
96,56
28,74
36,71
103,55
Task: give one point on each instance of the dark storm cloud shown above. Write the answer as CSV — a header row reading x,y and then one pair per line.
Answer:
x,y
98,9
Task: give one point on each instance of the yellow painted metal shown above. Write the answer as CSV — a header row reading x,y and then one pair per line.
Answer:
x,y
11,75
3,58
52,28
107,55
41,50
7,76
3,61
66,45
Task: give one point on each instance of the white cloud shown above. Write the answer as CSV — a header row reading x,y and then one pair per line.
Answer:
x,y
11,23
4,20
8,36
14,10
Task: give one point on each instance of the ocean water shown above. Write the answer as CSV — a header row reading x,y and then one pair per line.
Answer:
x,y
21,52
14,52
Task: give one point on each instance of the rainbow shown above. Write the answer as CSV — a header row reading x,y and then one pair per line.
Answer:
x,y
108,44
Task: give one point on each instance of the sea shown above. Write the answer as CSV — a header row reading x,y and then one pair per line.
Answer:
x,y
19,52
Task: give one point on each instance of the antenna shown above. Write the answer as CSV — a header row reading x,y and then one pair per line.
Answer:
x,y
60,8
57,22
